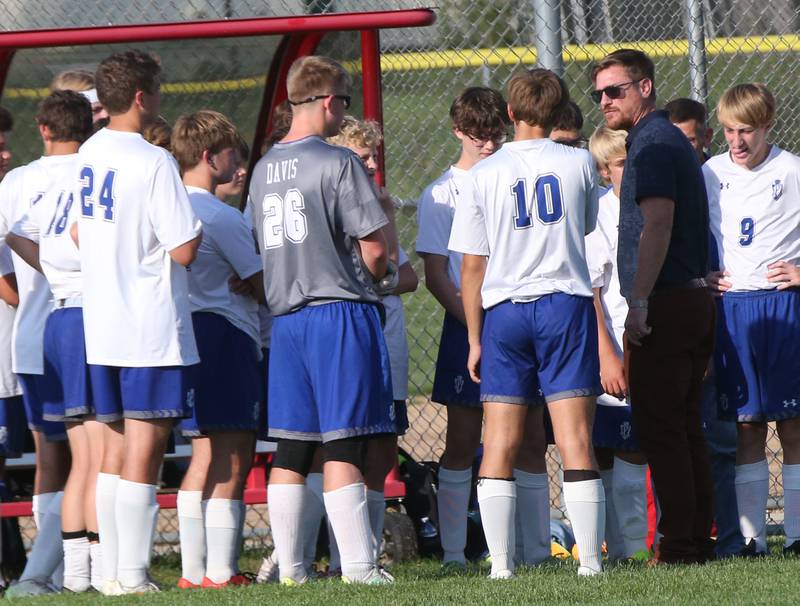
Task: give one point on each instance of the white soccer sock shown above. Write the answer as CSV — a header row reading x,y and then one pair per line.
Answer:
x,y
376,508
222,524
791,503
106,506
54,509
96,555
77,564
347,511
752,490
453,502
335,560
313,513
585,501
136,507
630,501
47,553
533,514
497,500
192,535
615,546
39,505
237,554
286,505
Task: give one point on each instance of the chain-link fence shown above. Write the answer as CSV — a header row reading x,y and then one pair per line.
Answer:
x,y
700,47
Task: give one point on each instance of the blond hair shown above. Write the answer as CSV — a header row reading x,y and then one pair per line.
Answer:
x,y
605,144
316,75
205,130
358,133
78,80
751,104
537,97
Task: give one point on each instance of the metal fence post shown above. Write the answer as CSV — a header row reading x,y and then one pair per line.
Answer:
x,y
698,67
547,29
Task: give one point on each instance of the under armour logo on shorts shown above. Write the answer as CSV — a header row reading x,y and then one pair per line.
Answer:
x,y
786,404
190,398
458,384
3,434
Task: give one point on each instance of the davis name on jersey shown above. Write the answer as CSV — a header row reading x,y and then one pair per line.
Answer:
x,y
753,215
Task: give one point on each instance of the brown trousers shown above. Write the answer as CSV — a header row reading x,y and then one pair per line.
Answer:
x,y
664,380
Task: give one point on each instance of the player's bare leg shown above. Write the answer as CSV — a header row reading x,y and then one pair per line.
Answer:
x,y
113,441
584,497
73,520
789,433
504,427
455,478
533,493
752,485
190,514
381,458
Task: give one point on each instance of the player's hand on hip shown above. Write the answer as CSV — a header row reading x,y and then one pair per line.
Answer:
x,y
612,376
636,327
474,363
717,283
786,274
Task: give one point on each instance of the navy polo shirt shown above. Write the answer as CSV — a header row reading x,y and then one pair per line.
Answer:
x,y
661,163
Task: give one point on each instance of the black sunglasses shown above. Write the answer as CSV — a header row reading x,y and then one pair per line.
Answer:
x,y
612,92
346,98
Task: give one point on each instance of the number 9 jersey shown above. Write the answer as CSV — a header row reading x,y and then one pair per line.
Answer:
x,y
528,208
311,202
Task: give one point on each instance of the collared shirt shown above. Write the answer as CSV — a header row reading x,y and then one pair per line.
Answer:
x,y
661,163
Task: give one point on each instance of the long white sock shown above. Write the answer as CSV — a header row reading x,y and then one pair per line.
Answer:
x,y
497,499
286,505
192,535
791,503
453,502
54,509
222,523
106,506
630,502
96,554
47,553
752,490
40,504
77,564
239,537
533,513
376,507
136,510
313,513
347,511
585,501
615,546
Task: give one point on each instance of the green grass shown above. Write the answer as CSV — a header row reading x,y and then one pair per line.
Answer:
x,y
773,580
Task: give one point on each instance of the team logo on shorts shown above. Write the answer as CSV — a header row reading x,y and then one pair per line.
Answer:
x,y
392,412
777,189
723,401
786,403
190,398
625,430
256,410
458,384
3,434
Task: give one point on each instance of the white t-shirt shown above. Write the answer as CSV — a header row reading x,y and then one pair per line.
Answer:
x,y
134,209
8,380
264,317
601,257
395,334
48,223
435,211
754,215
528,208
227,248
22,188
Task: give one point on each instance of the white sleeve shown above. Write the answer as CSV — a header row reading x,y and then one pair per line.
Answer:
x,y
598,257
592,200
469,235
30,224
6,264
435,219
7,195
248,213
235,241
170,211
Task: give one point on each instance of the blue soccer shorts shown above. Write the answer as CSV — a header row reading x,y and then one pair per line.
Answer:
x,y
34,388
613,427
12,427
451,383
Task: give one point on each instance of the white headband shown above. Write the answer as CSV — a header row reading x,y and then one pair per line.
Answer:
x,y
91,95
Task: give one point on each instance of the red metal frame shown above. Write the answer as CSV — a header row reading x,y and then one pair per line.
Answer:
x,y
372,88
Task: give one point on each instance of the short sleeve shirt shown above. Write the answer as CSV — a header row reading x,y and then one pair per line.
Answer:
x,y
661,163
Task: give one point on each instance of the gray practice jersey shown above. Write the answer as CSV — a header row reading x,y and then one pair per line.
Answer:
x,y
311,201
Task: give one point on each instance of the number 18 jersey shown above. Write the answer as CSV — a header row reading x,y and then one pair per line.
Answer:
x,y
528,208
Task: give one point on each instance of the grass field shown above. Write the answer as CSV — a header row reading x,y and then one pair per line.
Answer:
x,y
774,580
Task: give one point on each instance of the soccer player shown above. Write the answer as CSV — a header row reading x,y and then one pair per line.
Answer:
x,y
42,238
568,129
690,117
136,232
228,403
81,81
754,197
623,468
319,227
520,222
480,120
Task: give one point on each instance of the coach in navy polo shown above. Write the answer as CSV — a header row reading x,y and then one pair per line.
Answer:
x,y
669,330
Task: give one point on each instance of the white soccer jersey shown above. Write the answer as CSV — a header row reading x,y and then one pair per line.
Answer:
x,y
754,215
22,188
227,248
134,209
264,317
394,332
48,223
528,208
435,211
601,258
9,387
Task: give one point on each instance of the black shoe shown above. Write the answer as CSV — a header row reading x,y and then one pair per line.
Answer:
x,y
792,550
750,550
